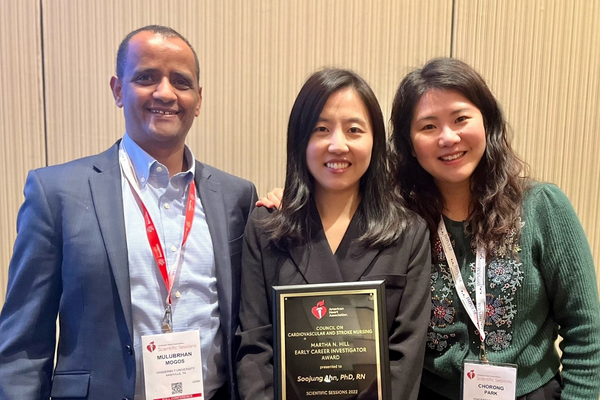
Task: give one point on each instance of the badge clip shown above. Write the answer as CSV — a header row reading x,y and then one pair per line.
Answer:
x,y
482,355
167,321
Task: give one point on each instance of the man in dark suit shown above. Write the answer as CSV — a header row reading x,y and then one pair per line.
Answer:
x,y
119,247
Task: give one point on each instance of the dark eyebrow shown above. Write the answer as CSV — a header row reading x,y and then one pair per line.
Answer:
x,y
153,71
426,118
460,110
349,120
434,118
356,120
184,76
145,71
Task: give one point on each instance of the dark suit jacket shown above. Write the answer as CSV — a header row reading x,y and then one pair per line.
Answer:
x,y
406,268
70,258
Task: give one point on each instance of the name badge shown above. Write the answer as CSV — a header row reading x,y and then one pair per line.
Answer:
x,y
487,381
172,366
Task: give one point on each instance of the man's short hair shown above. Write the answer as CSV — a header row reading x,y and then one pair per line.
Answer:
x,y
165,32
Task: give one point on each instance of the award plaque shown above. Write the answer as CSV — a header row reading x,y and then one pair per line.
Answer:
x,y
330,341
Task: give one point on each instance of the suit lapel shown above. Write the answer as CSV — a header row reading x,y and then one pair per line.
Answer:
x,y
107,199
314,259
354,258
212,200
318,264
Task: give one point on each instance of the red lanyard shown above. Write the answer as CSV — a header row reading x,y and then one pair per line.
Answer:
x,y
154,241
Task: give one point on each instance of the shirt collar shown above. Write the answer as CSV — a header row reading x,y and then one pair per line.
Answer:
x,y
142,162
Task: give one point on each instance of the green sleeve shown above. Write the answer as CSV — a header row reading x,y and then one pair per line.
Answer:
x,y
568,271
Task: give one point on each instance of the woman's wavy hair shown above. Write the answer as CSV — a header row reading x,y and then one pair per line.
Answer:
x,y
496,186
384,216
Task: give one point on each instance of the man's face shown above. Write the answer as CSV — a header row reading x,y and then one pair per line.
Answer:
x,y
158,91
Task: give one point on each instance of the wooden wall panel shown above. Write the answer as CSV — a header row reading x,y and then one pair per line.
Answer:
x,y
22,115
254,57
260,57
542,60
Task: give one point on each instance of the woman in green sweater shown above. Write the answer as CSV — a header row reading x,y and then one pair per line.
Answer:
x,y
523,272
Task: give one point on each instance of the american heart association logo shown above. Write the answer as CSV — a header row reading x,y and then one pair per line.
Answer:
x,y
319,310
471,374
151,347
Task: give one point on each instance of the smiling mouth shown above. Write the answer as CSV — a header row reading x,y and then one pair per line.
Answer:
x,y
162,112
453,156
337,165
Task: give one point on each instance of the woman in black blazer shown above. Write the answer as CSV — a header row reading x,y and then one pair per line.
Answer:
x,y
339,221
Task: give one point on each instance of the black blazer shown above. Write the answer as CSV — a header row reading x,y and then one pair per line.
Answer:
x,y
406,268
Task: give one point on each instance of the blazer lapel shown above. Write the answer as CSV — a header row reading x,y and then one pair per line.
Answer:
x,y
106,193
354,258
212,200
314,259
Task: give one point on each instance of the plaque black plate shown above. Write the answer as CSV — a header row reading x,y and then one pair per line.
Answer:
x,y
330,341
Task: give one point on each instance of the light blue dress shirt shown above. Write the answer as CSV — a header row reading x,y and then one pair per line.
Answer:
x,y
194,295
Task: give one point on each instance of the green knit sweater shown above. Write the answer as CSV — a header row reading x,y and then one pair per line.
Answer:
x,y
551,289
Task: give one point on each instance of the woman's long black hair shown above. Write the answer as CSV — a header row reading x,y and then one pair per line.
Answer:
x,y
497,189
385,218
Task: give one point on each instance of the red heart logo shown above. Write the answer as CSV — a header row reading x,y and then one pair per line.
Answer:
x,y
471,374
319,310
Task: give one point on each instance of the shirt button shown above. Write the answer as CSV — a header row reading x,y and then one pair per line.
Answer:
x,y
173,248
177,294
159,169
167,206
